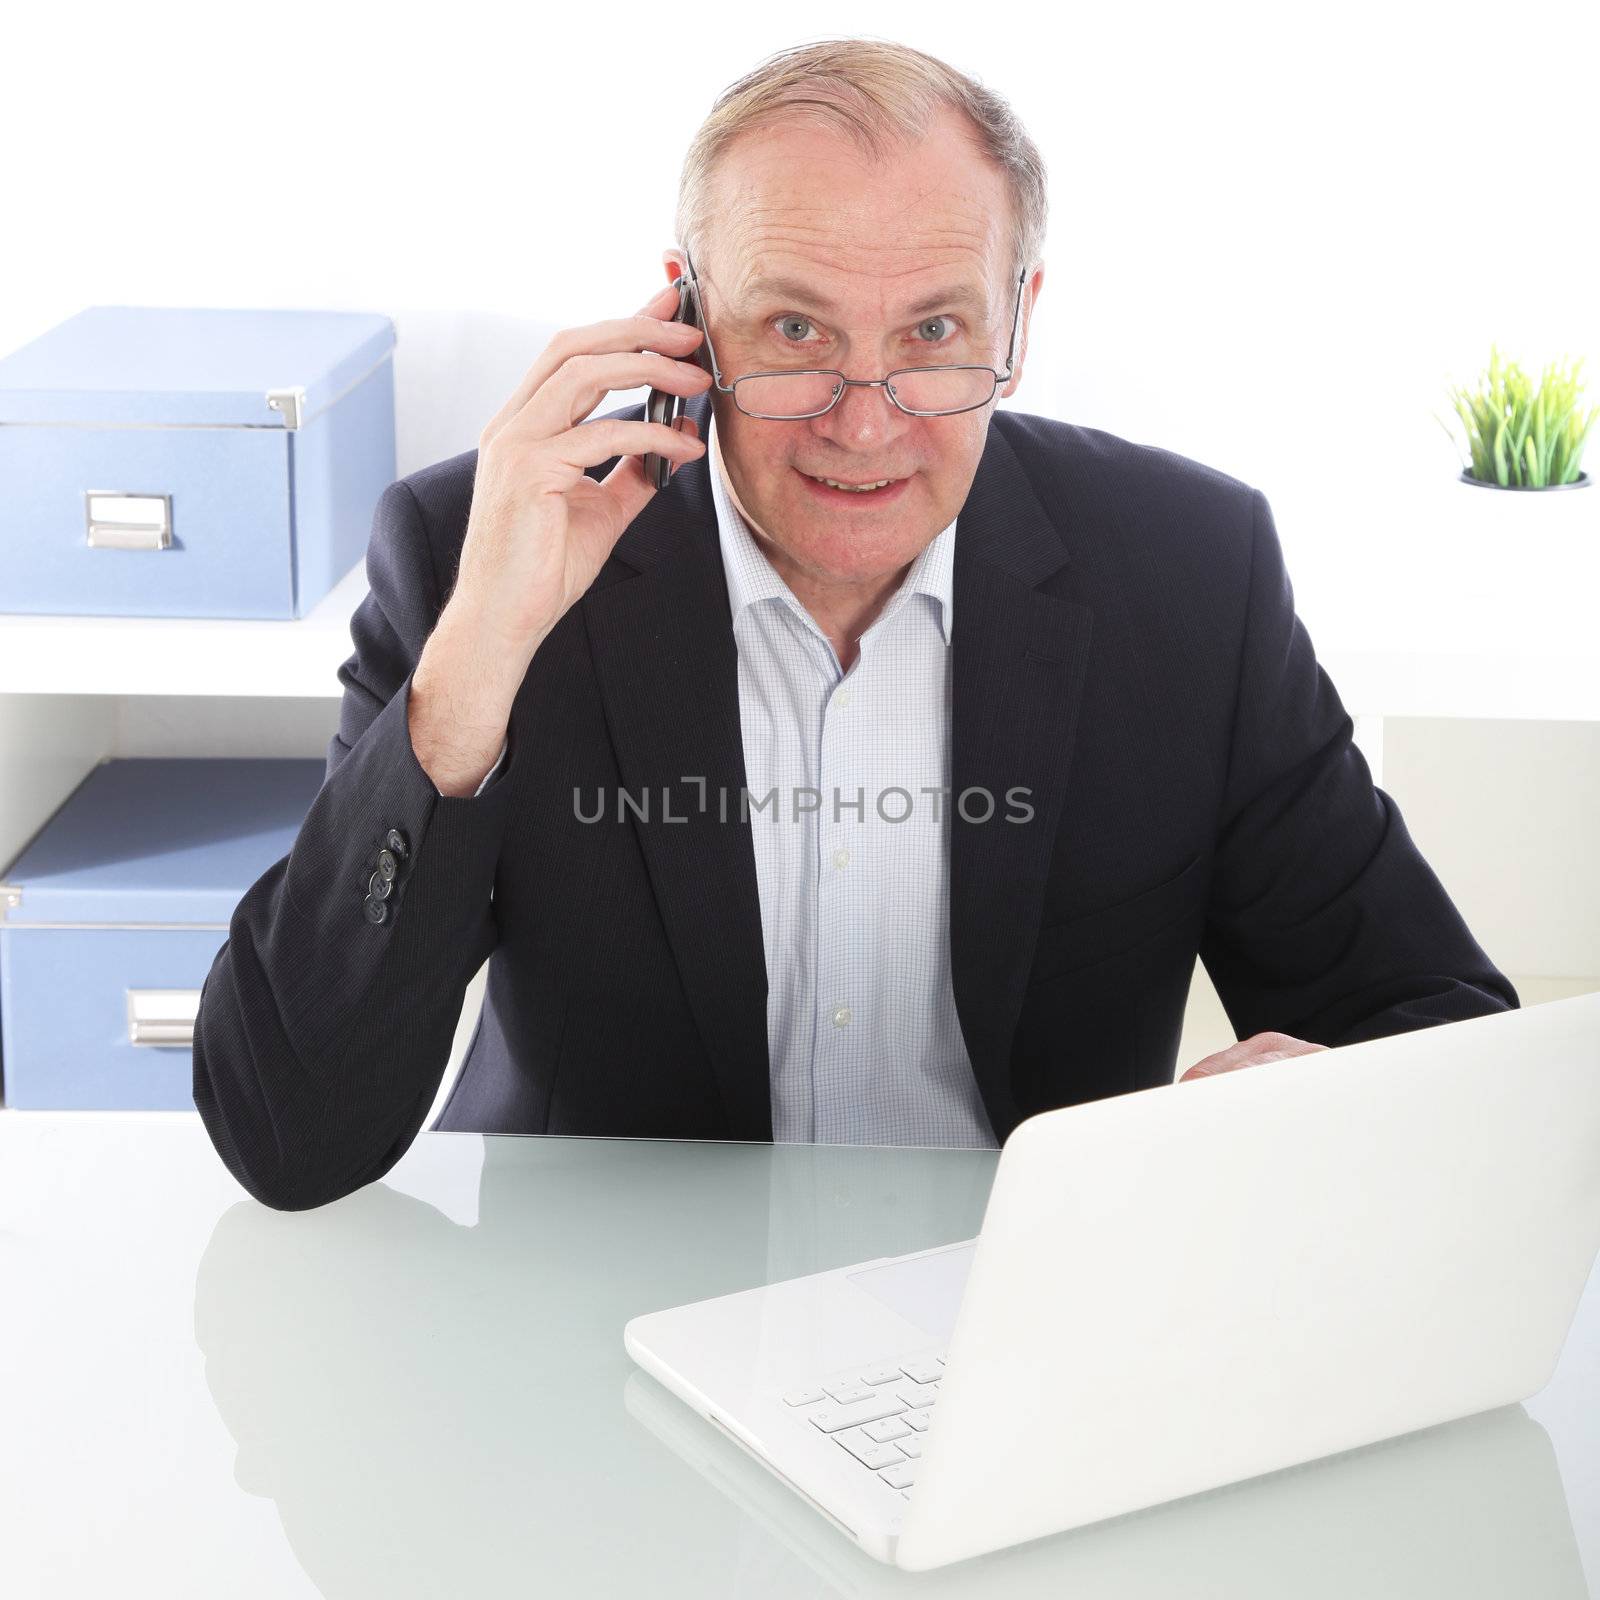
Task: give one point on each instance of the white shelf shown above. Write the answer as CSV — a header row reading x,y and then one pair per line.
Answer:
x,y
74,655
1487,684
1423,597
1430,598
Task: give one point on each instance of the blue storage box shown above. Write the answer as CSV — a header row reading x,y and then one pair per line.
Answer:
x,y
179,462
111,918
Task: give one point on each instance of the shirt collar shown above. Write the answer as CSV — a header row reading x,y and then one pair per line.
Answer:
x,y
751,577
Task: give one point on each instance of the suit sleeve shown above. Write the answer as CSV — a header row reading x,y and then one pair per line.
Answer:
x,y
322,1034
1325,922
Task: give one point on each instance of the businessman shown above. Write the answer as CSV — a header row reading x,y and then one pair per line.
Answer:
x,y
878,779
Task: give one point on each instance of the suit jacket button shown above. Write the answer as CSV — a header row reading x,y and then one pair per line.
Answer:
x,y
376,910
379,887
396,841
388,867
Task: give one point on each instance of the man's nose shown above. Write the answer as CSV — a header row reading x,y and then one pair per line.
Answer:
x,y
863,417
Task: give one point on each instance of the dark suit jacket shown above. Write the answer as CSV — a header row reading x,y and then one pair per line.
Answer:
x,y
1125,647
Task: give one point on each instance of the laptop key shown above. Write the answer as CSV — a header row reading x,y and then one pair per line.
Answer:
x,y
917,1420
803,1397
922,1371
832,1418
918,1394
889,1428
910,1445
901,1477
867,1453
846,1391
884,1372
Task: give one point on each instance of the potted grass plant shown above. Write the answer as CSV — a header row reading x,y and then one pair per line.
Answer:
x,y
1520,437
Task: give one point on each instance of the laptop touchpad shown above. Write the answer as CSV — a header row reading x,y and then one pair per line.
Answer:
x,y
925,1291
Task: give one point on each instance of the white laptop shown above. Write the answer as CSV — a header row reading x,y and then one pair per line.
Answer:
x,y
1180,1288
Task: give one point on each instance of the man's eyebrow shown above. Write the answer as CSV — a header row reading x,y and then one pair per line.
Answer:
x,y
797,292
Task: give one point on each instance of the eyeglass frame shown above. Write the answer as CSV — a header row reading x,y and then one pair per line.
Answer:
x,y
883,383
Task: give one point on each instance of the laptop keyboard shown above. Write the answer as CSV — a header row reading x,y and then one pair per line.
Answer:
x,y
878,1414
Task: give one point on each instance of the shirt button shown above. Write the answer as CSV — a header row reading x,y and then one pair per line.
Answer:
x,y
841,1017
841,697
841,857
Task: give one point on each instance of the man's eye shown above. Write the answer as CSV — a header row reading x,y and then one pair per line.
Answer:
x,y
931,330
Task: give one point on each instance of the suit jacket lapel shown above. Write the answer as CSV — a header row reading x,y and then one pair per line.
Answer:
x,y
667,665
1017,669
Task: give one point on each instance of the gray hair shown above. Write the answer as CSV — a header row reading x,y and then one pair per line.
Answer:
x,y
876,92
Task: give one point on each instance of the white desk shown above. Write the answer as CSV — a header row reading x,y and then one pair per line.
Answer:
x,y
421,1390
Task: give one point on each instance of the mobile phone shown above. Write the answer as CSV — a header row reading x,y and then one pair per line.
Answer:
x,y
662,406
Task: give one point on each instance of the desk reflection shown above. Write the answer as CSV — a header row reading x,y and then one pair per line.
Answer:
x,y
438,1409
1469,1508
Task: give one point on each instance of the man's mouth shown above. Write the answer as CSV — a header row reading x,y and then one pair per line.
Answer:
x,y
865,486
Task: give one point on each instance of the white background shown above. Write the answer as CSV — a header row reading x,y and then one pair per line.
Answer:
x,y
1276,233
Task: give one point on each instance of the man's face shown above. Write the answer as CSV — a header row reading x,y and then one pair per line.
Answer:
x,y
818,259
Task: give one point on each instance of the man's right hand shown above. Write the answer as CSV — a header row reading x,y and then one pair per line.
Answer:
x,y
540,529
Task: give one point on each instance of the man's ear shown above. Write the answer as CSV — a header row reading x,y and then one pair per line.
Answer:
x,y
1030,294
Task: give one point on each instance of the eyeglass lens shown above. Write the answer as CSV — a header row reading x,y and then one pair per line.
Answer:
x,y
804,394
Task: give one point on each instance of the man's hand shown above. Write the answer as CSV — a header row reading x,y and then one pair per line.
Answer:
x,y
540,528
1251,1052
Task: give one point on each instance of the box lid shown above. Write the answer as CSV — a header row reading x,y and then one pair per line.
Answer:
x,y
161,839
187,366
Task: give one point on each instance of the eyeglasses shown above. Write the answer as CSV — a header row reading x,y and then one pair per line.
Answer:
x,y
797,393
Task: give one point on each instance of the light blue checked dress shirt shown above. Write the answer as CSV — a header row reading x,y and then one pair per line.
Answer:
x,y
852,853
